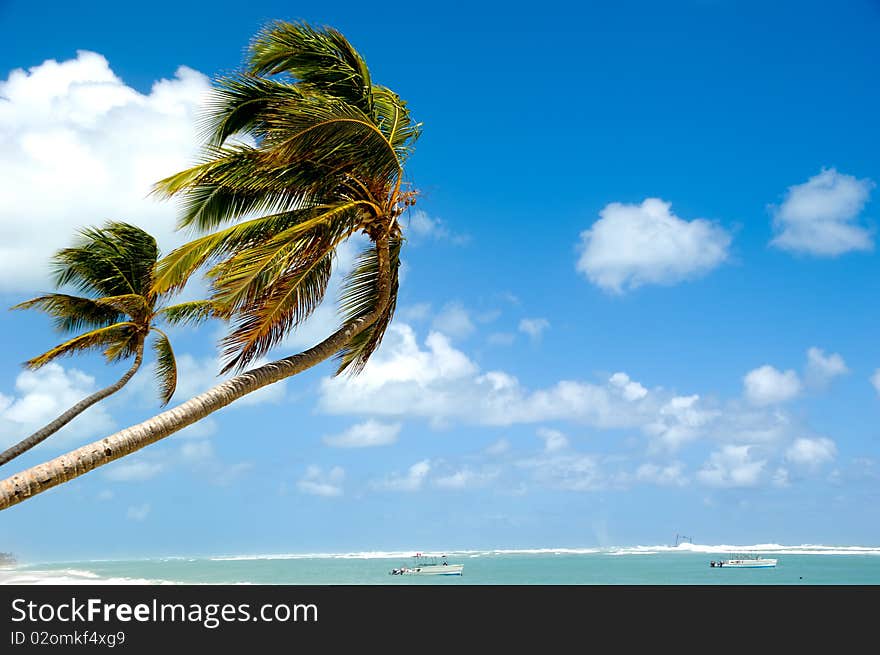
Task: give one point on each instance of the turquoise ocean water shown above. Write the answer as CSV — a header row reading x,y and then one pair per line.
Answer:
x,y
642,565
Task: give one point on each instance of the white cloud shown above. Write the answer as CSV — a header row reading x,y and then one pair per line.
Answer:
x,y
44,394
680,420
811,453
633,245
441,384
819,216
138,512
365,435
768,386
822,368
453,321
554,440
137,471
89,147
318,483
630,390
534,327
412,480
670,475
732,466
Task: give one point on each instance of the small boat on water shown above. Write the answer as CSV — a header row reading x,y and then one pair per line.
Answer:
x,y
745,561
428,565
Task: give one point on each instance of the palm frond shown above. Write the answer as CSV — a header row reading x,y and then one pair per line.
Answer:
x,y
173,270
242,278
73,313
112,260
166,366
117,335
394,121
264,322
188,313
239,105
358,298
319,57
133,304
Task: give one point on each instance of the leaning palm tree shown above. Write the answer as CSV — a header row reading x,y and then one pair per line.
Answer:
x,y
304,151
114,266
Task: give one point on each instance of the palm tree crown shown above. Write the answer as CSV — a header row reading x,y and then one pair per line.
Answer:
x,y
114,267
304,151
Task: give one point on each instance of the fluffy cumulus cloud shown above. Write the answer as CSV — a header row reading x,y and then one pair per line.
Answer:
x,y
822,368
317,482
811,453
820,216
769,386
441,383
631,390
732,466
633,245
41,396
365,435
89,147
554,440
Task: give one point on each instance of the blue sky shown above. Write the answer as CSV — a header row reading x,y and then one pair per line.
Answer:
x,y
639,295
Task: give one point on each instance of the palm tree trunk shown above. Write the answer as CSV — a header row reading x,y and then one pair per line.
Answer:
x,y
47,431
35,480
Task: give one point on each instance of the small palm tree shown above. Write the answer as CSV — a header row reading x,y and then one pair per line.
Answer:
x,y
305,151
114,265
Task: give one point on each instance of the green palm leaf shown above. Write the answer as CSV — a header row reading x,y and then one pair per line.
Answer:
x,y
73,312
117,336
320,58
166,366
358,298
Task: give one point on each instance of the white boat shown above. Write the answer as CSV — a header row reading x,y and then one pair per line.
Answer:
x,y
428,565
744,562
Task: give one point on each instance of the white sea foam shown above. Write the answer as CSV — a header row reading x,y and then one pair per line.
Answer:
x,y
28,576
804,549
79,574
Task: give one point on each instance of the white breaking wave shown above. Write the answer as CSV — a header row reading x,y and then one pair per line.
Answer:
x,y
12,576
804,549
32,574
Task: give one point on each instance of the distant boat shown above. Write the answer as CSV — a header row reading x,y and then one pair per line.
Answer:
x,y
429,565
745,561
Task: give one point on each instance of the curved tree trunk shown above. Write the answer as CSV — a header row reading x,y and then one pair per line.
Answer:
x,y
47,431
35,480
